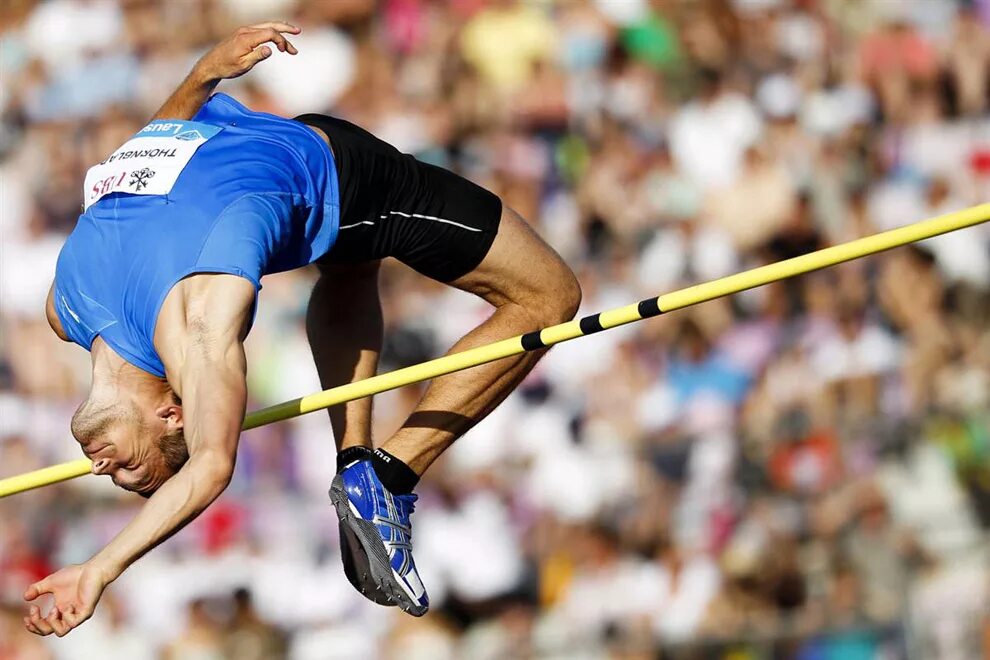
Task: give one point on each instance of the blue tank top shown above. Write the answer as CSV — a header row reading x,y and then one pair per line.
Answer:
x,y
259,195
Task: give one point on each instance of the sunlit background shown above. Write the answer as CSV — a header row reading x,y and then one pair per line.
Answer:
x,y
802,471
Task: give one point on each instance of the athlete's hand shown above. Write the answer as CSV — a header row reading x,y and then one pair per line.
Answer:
x,y
77,590
237,54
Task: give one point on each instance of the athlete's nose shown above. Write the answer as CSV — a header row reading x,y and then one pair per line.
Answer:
x,y
101,466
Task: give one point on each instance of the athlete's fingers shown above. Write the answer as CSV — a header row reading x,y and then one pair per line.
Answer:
x,y
279,40
29,625
281,26
54,619
257,55
72,617
257,37
43,627
32,627
289,48
38,588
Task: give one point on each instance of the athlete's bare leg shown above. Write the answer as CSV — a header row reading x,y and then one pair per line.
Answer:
x,y
344,326
530,287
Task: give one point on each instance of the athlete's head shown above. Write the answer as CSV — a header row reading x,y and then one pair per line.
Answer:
x,y
139,444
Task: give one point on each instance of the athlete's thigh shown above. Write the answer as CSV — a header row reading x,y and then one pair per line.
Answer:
x,y
521,268
344,293
344,271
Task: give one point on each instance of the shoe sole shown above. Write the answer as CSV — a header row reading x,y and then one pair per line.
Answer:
x,y
356,568
379,568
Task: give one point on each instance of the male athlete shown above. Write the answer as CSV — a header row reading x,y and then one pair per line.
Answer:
x,y
159,282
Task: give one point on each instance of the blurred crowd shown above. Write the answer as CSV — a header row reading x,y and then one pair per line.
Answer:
x,y
800,471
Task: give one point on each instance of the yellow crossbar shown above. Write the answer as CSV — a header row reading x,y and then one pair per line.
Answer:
x,y
559,333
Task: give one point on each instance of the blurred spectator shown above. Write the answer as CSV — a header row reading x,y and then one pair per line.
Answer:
x,y
248,636
754,208
710,135
202,638
505,40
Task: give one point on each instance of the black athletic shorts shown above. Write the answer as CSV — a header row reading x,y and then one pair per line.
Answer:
x,y
392,205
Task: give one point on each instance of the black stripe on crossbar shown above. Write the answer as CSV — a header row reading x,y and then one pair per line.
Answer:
x,y
531,341
649,307
592,324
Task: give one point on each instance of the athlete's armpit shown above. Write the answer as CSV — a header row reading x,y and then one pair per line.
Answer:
x,y
53,320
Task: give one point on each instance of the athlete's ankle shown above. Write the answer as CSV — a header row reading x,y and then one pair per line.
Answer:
x,y
396,476
350,455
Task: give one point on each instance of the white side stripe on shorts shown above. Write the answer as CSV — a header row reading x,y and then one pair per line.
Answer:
x,y
411,215
433,218
357,224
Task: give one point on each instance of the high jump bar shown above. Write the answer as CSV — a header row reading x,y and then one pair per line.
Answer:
x,y
556,334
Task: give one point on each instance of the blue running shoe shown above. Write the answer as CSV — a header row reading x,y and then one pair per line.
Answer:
x,y
379,522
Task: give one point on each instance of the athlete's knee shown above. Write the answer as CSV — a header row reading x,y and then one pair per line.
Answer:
x,y
570,295
561,297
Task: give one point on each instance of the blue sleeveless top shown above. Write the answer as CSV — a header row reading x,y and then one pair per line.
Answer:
x,y
259,196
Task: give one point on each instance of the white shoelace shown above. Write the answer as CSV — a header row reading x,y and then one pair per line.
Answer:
x,y
405,530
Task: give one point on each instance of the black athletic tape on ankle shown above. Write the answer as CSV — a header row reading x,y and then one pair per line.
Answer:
x,y
649,307
592,324
531,341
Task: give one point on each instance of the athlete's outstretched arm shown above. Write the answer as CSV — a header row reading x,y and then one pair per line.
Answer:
x,y
230,58
205,326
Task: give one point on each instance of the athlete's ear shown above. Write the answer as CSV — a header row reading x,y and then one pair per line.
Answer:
x,y
171,415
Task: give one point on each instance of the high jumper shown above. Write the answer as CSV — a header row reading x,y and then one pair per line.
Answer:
x,y
159,281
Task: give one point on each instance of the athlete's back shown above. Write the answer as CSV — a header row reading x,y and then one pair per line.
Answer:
x,y
233,191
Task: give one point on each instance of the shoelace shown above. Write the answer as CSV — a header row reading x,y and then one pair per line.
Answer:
x,y
404,530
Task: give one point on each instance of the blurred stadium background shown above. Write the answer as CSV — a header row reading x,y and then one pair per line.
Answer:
x,y
800,472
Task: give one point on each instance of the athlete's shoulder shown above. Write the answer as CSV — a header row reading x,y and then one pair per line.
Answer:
x,y
222,104
222,108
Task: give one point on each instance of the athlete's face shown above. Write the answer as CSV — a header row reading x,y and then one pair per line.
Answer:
x,y
129,447
127,457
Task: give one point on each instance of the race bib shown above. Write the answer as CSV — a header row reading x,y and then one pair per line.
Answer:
x,y
150,162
